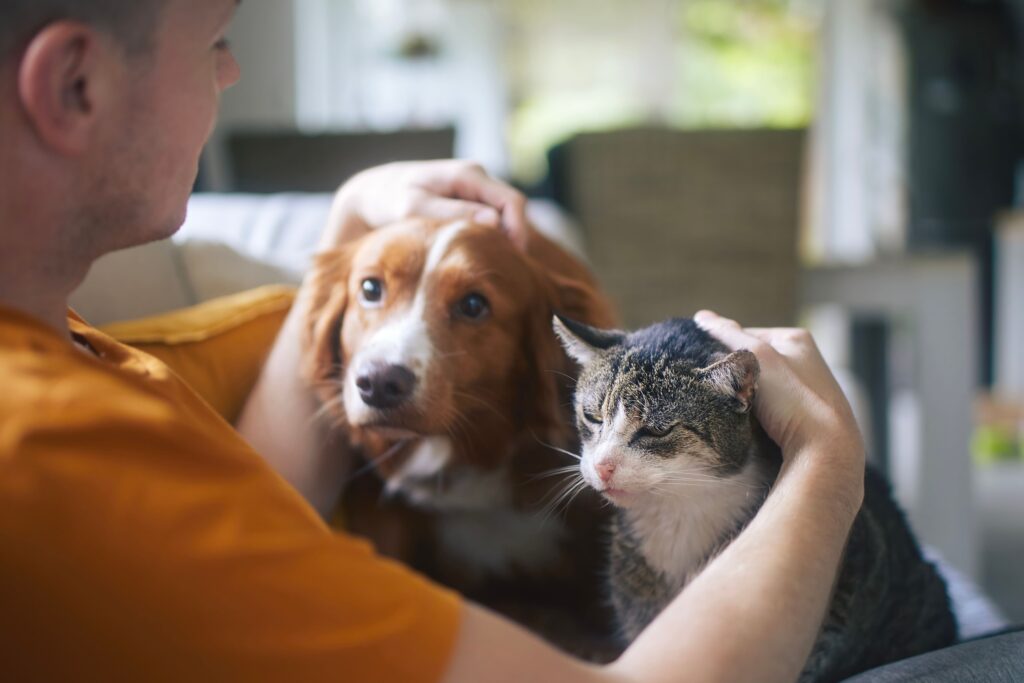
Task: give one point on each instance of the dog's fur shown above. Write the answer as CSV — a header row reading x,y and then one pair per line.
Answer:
x,y
460,492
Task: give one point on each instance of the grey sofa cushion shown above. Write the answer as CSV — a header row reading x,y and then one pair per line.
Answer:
x,y
995,659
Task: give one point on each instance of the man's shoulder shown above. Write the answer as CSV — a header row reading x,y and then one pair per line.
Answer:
x,y
44,384
49,384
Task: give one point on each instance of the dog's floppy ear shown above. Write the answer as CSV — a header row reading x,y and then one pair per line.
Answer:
x,y
322,359
581,301
571,289
551,370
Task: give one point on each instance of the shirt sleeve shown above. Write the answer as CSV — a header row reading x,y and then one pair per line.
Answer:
x,y
140,546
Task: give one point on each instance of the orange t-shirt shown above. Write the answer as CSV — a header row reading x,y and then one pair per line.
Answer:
x,y
142,539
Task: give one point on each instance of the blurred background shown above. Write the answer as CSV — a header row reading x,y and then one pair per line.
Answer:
x,y
853,166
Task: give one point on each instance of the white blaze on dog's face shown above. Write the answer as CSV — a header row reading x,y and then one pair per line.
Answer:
x,y
444,341
391,365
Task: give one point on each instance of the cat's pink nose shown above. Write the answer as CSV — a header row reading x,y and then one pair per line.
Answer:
x,y
605,470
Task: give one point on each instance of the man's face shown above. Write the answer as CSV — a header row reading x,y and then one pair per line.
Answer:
x,y
167,114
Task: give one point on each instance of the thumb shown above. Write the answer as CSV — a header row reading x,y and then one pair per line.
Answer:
x,y
725,330
442,208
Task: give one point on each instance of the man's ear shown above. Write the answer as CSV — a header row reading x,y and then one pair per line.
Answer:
x,y
735,377
584,342
65,77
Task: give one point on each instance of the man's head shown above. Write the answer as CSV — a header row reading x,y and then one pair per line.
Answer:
x,y
131,22
108,104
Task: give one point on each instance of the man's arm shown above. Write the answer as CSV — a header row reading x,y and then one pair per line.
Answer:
x,y
751,615
279,420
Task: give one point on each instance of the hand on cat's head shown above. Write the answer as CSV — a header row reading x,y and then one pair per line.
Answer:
x,y
798,402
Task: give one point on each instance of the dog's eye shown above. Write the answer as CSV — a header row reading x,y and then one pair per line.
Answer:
x,y
591,418
655,432
473,306
372,290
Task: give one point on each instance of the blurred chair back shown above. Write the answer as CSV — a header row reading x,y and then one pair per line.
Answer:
x,y
678,220
289,161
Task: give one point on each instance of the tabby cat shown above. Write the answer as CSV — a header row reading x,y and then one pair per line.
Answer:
x,y
669,438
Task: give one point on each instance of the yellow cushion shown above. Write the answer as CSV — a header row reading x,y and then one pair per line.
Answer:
x,y
217,347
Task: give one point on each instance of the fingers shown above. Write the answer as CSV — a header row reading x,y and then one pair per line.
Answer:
x,y
442,208
467,181
791,342
798,400
726,331
444,190
795,347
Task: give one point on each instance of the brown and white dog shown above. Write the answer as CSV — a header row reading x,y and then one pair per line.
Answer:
x,y
431,349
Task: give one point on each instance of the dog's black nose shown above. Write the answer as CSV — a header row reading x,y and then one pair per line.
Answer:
x,y
385,386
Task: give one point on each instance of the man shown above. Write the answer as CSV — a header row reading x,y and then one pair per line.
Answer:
x,y
144,539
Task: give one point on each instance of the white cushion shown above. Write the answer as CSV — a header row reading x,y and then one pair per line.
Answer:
x,y
133,283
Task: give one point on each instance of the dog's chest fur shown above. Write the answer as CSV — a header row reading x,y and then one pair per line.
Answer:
x,y
501,541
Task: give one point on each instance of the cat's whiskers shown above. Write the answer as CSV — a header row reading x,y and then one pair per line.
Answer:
x,y
581,486
558,471
562,497
555,448
565,375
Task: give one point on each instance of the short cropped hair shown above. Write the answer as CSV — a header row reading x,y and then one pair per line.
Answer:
x,y
130,22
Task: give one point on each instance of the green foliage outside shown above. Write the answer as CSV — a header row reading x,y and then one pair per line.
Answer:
x,y
745,63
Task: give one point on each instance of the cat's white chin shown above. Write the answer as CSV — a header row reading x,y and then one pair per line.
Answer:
x,y
619,497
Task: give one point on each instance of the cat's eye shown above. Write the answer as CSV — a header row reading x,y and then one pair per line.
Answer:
x,y
651,431
372,291
591,418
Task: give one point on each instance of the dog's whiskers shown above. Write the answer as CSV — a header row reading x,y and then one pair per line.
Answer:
x,y
333,408
374,461
484,403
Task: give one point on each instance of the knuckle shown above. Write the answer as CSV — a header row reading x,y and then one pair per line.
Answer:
x,y
800,333
471,168
410,204
797,336
763,350
729,324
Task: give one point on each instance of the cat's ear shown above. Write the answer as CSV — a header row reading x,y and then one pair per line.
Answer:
x,y
584,342
735,376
